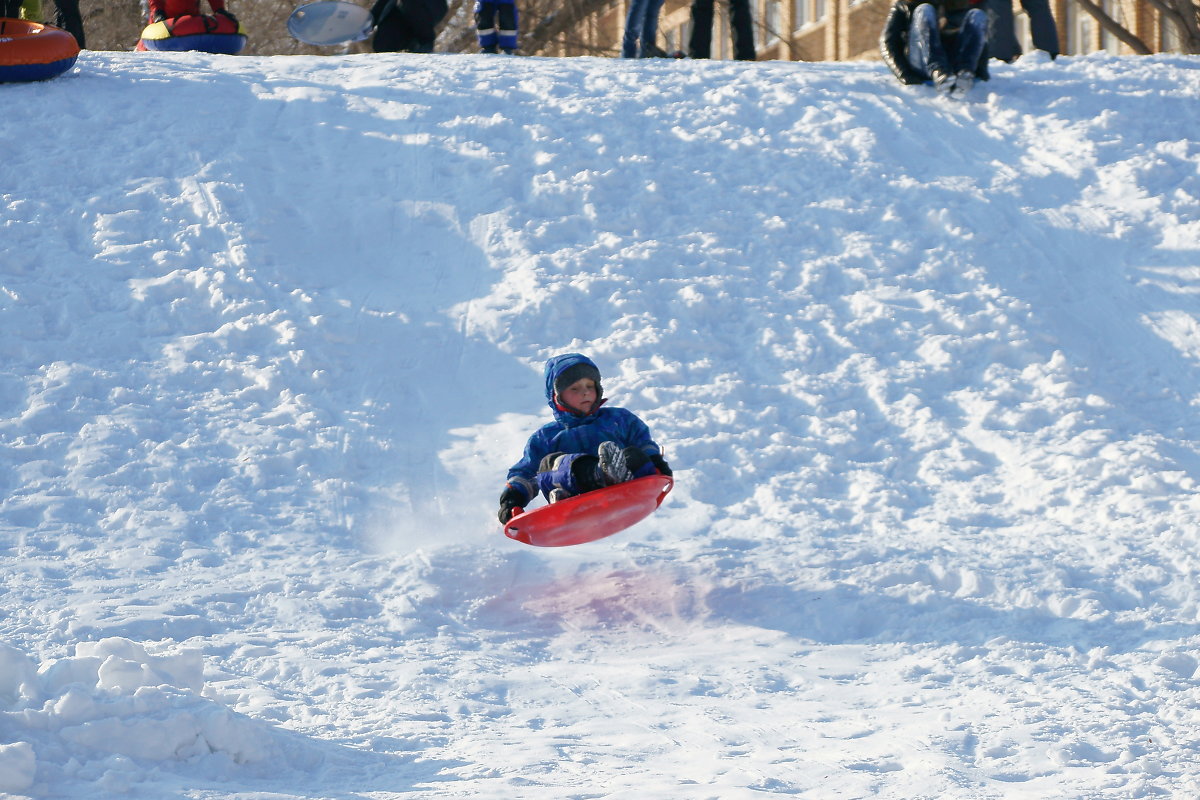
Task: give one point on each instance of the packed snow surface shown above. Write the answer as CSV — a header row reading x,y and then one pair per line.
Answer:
x,y
272,333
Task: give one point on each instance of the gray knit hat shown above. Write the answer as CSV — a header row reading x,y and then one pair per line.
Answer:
x,y
574,373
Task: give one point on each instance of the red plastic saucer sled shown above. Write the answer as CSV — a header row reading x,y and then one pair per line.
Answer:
x,y
591,516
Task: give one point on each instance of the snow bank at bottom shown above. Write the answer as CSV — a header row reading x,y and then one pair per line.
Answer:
x,y
112,710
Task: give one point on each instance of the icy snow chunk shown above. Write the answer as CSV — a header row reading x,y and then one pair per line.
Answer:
x,y
57,675
18,766
1181,664
18,677
126,665
73,707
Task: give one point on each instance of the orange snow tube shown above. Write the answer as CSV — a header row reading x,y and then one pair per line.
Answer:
x,y
33,52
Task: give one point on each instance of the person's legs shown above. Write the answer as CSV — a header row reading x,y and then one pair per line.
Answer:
x,y
1041,26
648,45
392,35
972,36
485,25
741,26
700,43
70,20
633,28
506,21
925,51
1002,38
568,474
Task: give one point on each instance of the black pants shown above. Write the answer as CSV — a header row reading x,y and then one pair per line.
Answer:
x,y
69,19
700,45
410,26
1002,39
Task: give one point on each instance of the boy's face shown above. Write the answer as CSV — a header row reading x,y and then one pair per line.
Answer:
x,y
580,395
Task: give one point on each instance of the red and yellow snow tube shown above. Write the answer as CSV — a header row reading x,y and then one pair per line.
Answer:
x,y
33,52
208,33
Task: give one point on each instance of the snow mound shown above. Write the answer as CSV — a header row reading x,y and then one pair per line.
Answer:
x,y
114,710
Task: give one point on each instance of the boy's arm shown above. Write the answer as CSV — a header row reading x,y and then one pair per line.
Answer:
x,y
511,499
525,471
638,435
521,486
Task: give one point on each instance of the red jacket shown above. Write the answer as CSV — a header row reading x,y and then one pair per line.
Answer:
x,y
182,8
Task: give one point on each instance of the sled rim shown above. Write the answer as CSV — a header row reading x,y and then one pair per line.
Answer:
x,y
327,23
587,514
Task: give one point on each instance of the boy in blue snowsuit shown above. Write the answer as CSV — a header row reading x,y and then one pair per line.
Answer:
x,y
587,446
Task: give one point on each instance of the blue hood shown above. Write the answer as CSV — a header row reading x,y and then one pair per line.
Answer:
x,y
555,367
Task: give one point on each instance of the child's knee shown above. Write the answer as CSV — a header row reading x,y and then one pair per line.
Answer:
x,y
548,462
586,471
571,473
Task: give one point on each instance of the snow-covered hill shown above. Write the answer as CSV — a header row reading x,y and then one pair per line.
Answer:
x,y
272,331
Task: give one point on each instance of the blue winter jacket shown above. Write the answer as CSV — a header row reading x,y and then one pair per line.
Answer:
x,y
573,433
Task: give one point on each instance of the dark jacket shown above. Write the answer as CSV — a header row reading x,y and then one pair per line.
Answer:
x,y
893,41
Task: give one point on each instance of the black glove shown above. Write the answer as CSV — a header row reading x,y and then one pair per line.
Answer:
x,y
224,12
510,499
661,465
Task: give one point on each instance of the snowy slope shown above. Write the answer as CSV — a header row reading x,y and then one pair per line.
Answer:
x,y
273,331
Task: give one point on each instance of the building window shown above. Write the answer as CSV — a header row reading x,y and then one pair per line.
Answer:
x,y
1108,42
820,10
802,18
773,20
1169,35
1081,31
